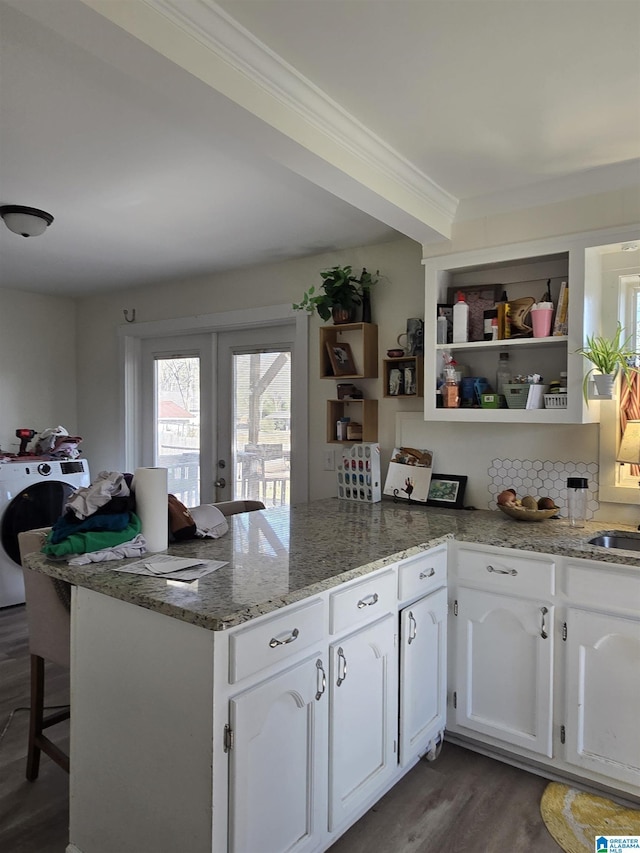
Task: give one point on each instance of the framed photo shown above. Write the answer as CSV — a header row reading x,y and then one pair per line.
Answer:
x,y
447,490
341,359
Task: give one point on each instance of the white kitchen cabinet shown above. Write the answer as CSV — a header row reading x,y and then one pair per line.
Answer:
x,y
277,772
423,674
603,694
601,644
504,667
363,708
522,270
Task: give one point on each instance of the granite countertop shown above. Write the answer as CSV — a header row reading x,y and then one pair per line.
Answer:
x,y
282,555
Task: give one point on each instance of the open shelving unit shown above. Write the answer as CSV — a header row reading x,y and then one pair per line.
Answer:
x,y
362,338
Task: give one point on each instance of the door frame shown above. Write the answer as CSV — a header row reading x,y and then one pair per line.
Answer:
x,y
130,352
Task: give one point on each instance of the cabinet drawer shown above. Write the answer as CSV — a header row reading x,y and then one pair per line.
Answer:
x,y
362,602
502,571
422,574
603,585
259,646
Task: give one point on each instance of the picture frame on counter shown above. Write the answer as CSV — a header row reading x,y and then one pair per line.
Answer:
x,y
447,490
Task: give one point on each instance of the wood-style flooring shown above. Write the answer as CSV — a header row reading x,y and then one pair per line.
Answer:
x,y
461,803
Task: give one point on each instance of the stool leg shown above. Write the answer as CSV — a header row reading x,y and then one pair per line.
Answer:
x,y
36,714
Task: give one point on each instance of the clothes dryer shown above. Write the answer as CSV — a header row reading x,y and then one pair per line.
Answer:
x,y
32,494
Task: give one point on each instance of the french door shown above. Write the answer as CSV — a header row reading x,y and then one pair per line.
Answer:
x,y
216,412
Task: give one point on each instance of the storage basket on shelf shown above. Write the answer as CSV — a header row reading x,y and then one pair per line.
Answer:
x,y
555,401
516,396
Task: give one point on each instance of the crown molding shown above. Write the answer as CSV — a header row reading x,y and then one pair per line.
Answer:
x,y
215,29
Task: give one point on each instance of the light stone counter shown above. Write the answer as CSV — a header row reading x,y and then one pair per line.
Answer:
x,y
279,556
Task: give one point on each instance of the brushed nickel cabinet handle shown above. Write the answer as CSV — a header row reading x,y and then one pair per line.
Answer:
x,y
428,574
512,572
413,627
321,680
543,627
273,642
368,601
342,667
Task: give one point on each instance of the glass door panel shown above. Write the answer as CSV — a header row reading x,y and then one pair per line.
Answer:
x,y
261,426
177,425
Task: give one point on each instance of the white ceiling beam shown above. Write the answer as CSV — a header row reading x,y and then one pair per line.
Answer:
x,y
307,131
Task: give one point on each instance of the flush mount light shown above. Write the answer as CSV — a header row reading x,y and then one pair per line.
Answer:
x,y
629,247
26,221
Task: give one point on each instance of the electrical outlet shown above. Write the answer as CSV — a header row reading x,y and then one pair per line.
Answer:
x,y
329,460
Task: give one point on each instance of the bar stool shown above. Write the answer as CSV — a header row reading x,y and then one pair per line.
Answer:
x,y
49,623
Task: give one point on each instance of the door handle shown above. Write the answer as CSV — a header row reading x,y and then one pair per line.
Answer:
x,y
220,483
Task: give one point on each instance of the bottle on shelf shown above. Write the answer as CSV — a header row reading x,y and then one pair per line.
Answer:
x,y
503,376
451,389
460,320
441,335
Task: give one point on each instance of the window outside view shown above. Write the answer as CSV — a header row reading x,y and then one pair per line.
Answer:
x,y
261,432
262,427
178,425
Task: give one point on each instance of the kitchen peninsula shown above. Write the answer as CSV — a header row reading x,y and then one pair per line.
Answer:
x,y
269,704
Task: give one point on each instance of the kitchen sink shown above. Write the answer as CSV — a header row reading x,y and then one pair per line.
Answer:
x,y
617,539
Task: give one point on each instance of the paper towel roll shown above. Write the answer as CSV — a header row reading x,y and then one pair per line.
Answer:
x,y
150,488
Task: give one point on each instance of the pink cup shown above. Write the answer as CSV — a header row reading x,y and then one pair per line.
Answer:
x,y
541,321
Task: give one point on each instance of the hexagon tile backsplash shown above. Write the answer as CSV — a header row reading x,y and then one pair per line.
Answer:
x,y
542,480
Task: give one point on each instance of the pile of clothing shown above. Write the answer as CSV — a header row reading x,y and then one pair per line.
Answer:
x,y
99,523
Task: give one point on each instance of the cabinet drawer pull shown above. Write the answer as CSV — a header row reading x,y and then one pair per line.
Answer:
x,y
273,642
368,601
543,627
512,572
342,667
428,574
413,627
321,680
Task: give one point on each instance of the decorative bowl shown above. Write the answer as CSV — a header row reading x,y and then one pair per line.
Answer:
x,y
520,513
395,353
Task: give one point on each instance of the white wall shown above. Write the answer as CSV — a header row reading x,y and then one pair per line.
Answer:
x,y
462,449
38,376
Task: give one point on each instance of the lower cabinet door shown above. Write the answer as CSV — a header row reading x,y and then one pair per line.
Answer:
x,y
423,673
278,762
504,668
603,694
363,701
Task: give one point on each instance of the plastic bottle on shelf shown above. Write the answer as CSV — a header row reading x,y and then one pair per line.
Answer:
x,y
460,320
503,373
441,335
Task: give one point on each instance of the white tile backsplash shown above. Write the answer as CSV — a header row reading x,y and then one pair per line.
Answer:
x,y
542,479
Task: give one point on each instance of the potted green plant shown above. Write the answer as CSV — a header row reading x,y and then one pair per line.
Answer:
x,y
339,294
608,356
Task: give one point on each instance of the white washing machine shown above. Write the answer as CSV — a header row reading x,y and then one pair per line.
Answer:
x,y
32,494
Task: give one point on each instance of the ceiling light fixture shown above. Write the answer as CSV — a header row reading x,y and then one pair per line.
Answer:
x,y
26,221
629,247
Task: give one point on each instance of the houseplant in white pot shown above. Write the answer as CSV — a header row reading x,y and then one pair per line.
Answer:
x,y
609,356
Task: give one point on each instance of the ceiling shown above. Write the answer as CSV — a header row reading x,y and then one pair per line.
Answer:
x,y
180,138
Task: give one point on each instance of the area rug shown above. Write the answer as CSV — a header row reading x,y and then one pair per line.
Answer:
x,y
575,819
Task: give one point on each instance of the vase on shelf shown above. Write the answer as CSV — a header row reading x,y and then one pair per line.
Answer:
x,y
341,315
366,306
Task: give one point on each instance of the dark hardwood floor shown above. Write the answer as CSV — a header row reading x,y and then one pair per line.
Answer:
x,y
461,803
